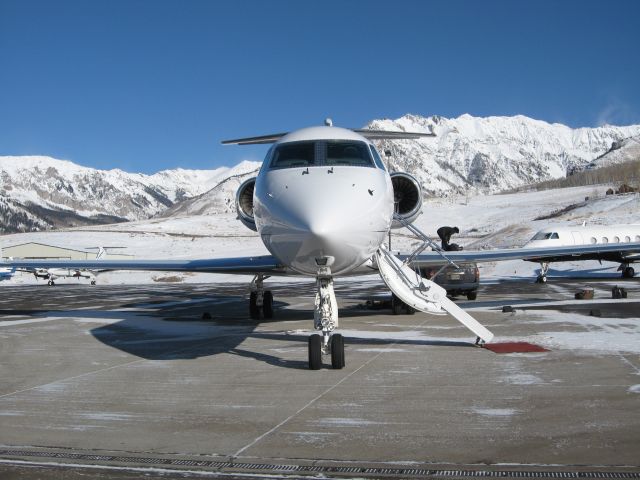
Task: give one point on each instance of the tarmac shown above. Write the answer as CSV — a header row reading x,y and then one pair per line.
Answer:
x,y
131,381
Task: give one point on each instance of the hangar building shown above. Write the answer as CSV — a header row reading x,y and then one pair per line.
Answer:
x,y
41,251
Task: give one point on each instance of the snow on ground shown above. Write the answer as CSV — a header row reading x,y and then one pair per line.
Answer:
x,y
485,221
595,334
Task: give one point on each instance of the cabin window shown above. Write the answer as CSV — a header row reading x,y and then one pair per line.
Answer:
x,y
345,153
605,240
554,236
594,240
616,239
627,239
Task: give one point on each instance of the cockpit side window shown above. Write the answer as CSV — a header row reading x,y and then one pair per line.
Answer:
x,y
546,236
347,153
376,157
290,155
267,159
541,236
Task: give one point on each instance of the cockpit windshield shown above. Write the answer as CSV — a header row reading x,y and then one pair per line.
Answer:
x,y
322,153
353,154
546,236
291,155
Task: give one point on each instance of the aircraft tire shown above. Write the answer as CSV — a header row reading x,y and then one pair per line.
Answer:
x,y
267,304
628,272
254,310
315,352
337,351
396,305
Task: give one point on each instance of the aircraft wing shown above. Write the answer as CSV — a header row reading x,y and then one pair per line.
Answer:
x,y
617,252
239,265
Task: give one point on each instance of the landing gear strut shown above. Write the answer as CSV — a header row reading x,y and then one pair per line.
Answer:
x,y
259,299
542,276
325,319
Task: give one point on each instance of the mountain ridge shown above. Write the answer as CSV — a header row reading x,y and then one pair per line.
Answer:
x,y
479,154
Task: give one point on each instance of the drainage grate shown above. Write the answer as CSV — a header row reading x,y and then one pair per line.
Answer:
x,y
405,472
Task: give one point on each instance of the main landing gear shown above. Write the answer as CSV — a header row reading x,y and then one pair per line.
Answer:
x,y
542,276
260,299
325,318
51,283
398,307
627,271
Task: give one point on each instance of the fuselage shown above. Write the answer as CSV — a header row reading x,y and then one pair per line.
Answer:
x,y
323,199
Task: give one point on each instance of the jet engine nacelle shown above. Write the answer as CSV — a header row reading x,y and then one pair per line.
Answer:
x,y
244,203
407,197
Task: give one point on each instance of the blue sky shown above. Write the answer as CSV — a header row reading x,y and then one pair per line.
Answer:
x,y
145,85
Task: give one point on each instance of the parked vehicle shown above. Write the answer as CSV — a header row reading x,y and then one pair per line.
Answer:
x,y
464,280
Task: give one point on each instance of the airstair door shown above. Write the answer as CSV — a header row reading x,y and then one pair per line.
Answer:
x,y
423,294
577,238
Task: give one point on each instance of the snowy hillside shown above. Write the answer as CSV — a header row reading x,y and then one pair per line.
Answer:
x,y
485,221
221,198
42,192
495,153
620,152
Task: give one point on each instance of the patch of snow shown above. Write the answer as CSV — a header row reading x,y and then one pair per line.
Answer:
x,y
495,412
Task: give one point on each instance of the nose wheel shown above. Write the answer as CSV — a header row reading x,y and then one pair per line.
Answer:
x,y
542,276
335,347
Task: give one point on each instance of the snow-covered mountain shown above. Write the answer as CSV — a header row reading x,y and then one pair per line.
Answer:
x,y
221,198
496,153
467,154
41,192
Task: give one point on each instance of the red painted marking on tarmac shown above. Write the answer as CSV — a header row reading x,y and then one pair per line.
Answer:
x,y
514,347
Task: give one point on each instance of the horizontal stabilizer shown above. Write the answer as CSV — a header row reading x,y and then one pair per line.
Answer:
x,y
274,137
369,134
385,135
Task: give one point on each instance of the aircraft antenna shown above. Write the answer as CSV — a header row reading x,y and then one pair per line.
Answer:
x,y
328,122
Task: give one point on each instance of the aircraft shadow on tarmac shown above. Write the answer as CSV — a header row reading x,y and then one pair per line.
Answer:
x,y
173,332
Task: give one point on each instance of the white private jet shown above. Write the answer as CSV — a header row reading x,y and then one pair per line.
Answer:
x,y
323,204
562,236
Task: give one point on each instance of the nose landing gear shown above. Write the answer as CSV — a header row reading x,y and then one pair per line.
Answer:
x,y
544,269
325,318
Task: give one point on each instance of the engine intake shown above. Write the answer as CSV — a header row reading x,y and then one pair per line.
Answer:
x,y
244,203
407,197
